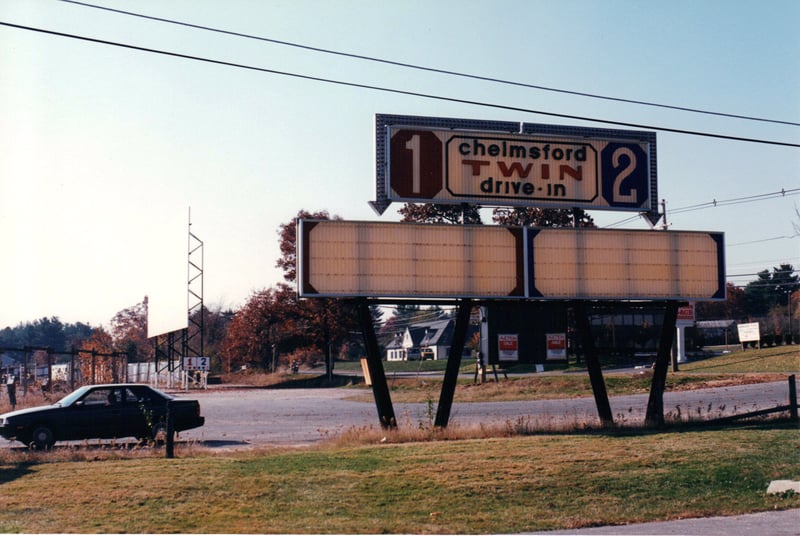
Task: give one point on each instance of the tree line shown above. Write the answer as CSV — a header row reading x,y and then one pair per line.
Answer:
x,y
274,327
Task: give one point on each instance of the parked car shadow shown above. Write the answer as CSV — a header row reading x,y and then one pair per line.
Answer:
x,y
221,444
12,471
308,381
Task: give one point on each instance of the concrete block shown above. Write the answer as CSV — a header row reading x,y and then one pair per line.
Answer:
x,y
782,486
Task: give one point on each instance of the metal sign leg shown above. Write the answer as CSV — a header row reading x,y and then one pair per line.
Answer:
x,y
453,364
654,417
380,389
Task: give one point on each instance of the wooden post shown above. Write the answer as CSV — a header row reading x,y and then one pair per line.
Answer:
x,y
72,368
170,440
793,398
654,418
593,366
453,364
380,389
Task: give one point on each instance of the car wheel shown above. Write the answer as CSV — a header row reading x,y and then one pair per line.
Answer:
x,y
42,438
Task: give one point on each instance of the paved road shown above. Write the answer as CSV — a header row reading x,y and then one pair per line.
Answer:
x,y
782,523
242,418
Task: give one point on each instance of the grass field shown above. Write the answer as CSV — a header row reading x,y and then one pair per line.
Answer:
x,y
503,484
779,359
487,486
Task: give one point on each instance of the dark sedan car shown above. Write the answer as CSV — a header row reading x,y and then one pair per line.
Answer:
x,y
101,412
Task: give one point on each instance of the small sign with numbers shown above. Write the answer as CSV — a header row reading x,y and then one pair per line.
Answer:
x,y
192,364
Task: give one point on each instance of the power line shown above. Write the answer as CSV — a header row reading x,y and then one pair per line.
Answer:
x,y
759,263
764,240
397,91
775,272
721,203
431,69
421,316
737,200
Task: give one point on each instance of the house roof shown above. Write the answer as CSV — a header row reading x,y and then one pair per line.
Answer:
x,y
711,324
437,333
395,343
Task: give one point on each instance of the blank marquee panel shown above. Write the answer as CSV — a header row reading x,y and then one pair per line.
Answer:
x,y
339,258
618,264
406,260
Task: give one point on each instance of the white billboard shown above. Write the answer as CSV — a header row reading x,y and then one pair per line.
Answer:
x,y
167,290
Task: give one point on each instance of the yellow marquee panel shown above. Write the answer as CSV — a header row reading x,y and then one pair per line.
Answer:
x,y
618,264
341,258
407,260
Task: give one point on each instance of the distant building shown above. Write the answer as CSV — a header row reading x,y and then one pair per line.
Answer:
x,y
10,366
395,350
425,340
717,332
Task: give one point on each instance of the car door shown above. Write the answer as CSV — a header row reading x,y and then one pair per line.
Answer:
x,y
87,418
96,415
132,418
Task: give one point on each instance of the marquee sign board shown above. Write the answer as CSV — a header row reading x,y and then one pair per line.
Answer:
x,y
407,260
602,264
456,161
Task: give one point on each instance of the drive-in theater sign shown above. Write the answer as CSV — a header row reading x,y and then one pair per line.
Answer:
x,y
455,161
500,163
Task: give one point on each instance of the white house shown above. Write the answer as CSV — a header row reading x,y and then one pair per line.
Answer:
x,y
425,340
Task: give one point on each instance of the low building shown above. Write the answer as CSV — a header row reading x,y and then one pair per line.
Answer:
x,y
424,340
717,332
395,350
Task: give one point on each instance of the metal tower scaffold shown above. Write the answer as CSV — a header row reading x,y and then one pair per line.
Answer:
x,y
195,336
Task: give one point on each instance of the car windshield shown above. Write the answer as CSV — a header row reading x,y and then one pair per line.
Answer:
x,y
73,396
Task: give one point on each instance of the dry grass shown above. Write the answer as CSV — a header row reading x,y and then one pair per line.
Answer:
x,y
774,359
554,386
27,400
494,485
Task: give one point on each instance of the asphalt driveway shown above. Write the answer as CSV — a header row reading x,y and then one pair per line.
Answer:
x,y
247,417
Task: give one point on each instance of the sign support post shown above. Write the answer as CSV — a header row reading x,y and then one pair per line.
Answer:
x,y
380,388
593,366
654,418
453,364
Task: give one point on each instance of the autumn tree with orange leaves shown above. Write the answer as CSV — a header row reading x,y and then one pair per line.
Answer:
x,y
129,332
261,329
274,324
96,361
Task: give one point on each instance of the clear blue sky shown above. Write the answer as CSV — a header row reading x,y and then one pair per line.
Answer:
x,y
103,150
